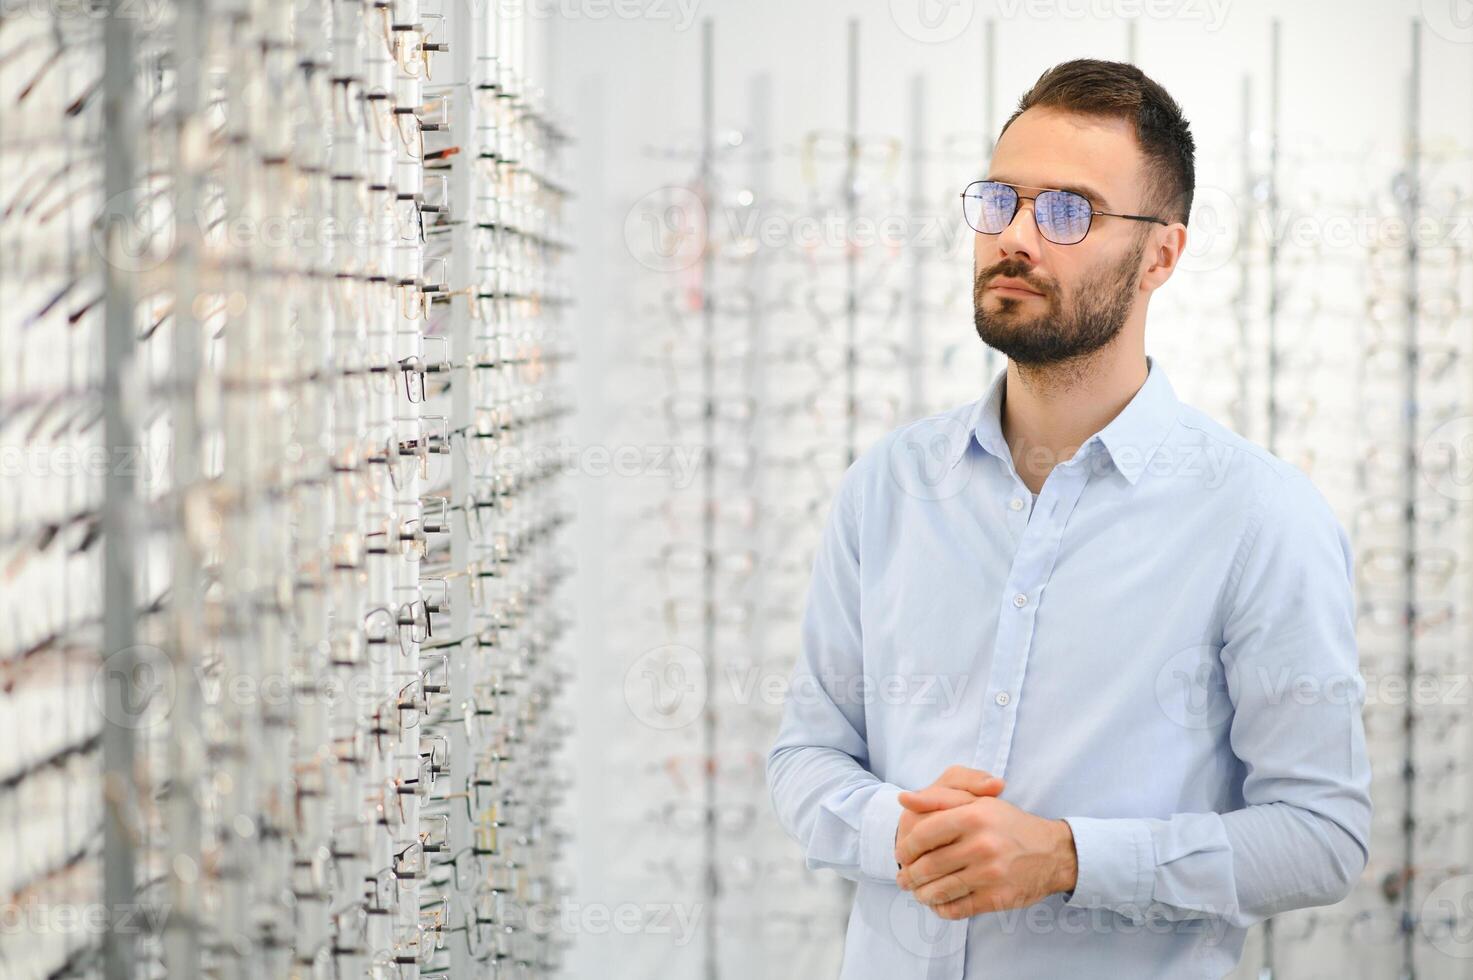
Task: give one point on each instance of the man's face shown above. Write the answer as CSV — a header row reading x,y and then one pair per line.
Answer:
x,y
1084,292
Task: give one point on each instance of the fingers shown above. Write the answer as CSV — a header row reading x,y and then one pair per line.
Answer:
x,y
978,782
944,792
983,899
930,867
946,889
934,797
962,908
934,830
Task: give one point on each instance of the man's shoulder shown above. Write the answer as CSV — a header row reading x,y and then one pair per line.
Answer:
x,y
917,457
1250,461
1250,474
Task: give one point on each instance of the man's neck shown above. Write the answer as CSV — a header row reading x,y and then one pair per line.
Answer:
x,y
1049,412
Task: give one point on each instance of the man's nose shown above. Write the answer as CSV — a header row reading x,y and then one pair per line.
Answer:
x,y
1020,238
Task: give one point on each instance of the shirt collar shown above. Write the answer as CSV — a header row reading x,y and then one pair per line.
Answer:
x,y
1131,437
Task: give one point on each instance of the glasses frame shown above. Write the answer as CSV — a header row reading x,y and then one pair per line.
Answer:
x,y
1018,199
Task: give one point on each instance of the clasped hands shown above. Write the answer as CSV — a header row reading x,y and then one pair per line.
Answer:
x,y
963,851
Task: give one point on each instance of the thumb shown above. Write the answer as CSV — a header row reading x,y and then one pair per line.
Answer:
x,y
978,782
934,798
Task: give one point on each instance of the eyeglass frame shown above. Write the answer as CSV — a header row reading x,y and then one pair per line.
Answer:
x,y
1020,198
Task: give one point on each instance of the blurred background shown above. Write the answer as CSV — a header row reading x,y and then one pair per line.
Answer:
x,y
417,418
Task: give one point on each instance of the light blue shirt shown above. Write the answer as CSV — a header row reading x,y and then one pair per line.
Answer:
x,y
1161,651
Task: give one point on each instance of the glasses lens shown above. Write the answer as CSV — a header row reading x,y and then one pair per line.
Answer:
x,y
1063,217
989,206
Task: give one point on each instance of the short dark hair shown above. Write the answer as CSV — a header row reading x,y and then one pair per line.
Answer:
x,y
1115,89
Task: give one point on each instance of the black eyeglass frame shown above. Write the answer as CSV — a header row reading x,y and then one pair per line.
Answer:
x,y
1019,198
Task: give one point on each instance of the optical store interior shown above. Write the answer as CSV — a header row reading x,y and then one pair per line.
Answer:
x,y
425,428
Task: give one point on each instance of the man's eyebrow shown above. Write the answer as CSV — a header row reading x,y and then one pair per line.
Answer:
x,y
1095,197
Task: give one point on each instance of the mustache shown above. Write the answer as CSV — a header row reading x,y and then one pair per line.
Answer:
x,y
1012,273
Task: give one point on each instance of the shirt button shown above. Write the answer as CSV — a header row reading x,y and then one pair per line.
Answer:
x,y
1017,503
1002,698
1020,600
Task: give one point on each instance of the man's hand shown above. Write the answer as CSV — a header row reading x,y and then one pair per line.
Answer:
x,y
955,786
983,856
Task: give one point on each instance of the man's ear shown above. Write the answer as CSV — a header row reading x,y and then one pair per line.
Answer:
x,y
1163,255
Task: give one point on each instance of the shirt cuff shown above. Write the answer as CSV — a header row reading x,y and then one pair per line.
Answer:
x,y
1117,865
877,826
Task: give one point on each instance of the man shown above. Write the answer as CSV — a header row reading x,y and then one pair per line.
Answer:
x,y
1078,693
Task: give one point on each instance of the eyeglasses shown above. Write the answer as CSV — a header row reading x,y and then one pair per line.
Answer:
x,y
1063,217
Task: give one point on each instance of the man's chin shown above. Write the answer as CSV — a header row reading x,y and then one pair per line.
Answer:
x,y
1015,335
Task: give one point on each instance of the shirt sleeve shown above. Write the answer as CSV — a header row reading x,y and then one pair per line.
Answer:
x,y
1293,677
842,815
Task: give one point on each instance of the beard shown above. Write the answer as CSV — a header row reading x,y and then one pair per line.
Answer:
x,y
1063,331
